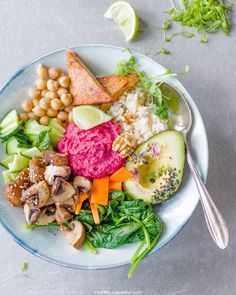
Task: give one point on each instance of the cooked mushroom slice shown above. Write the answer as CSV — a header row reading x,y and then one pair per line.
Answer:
x,y
36,170
69,204
75,234
82,184
31,213
56,171
62,215
47,215
62,190
50,202
38,194
55,159
13,190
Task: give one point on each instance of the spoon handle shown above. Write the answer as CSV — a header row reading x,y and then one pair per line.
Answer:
x,y
215,221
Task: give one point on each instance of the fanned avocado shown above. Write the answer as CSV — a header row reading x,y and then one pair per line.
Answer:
x,y
158,165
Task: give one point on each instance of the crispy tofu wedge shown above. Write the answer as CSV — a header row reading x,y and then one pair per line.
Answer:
x,y
116,85
85,87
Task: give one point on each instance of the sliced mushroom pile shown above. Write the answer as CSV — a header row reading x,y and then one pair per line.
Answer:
x,y
47,192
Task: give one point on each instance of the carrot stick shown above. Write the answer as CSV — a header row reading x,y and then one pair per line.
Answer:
x,y
100,191
82,198
121,175
115,186
95,212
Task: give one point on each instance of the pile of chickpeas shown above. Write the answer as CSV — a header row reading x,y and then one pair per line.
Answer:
x,y
50,98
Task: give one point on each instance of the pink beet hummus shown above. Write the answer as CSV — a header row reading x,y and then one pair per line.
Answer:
x,y
90,151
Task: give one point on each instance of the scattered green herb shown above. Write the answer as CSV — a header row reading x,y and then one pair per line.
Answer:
x,y
185,34
25,266
148,84
162,51
34,226
206,16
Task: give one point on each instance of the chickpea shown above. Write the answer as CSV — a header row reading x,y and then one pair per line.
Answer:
x,y
43,93
27,105
62,116
44,103
41,83
64,124
34,93
32,115
42,71
52,85
39,111
68,109
70,117
51,113
64,81
61,90
59,121
35,102
66,98
44,120
23,116
56,104
51,94
53,73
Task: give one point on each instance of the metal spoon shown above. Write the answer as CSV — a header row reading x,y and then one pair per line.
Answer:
x,y
181,120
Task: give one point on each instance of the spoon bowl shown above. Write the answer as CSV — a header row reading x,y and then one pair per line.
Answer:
x,y
181,120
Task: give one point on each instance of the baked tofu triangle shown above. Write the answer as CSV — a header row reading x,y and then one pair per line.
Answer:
x,y
85,88
116,85
113,84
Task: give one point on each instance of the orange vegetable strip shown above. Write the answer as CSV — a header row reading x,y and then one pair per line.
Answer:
x,y
100,191
121,175
82,198
95,212
115,186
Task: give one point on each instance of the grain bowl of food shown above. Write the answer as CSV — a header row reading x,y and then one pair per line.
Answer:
x,y
93,176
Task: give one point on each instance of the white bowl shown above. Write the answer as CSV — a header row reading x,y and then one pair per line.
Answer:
x,y
48,243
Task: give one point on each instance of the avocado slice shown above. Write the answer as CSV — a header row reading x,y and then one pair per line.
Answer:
x,y
158,164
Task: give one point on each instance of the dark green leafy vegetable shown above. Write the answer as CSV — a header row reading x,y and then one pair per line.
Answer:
x,y
43,141
123,221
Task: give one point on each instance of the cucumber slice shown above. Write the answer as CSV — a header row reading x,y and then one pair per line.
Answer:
x,y
32,127
53,123
10,117
19,163
55,136
10,130
32,153
6,161
6,176
13,146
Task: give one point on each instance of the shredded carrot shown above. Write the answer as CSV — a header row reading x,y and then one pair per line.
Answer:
x,y
82,198
121,175
115,186
100,191
95,212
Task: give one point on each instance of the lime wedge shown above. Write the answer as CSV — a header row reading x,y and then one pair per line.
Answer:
x,y
87,116
125,16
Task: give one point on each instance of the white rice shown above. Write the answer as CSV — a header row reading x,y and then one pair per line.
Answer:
x,y
146,123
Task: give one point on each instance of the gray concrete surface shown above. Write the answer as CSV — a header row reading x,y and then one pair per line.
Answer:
x,y
191,263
